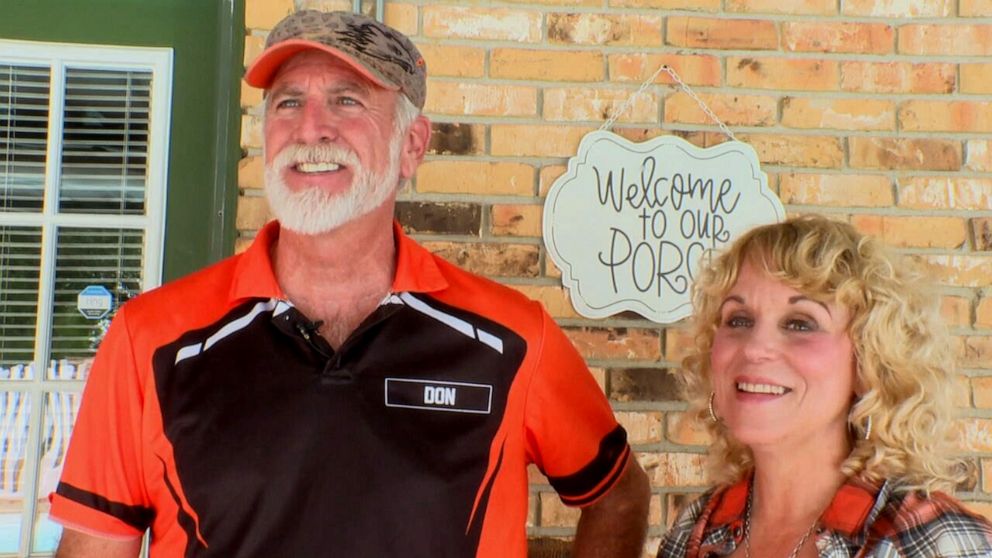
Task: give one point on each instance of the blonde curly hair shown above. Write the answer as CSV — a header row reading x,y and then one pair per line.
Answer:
x,y
905,361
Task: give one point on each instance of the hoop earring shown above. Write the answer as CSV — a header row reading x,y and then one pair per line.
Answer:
x,y
868,428
713,416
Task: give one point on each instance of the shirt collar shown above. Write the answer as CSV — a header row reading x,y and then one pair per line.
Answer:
x,y
416,268
254,276
845,515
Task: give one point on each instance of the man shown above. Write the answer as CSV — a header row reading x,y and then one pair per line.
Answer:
x,y
336,390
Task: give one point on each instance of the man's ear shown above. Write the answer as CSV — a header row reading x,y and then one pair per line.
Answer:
x,y
415,143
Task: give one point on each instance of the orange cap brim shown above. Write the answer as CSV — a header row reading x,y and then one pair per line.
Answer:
x,y
264,68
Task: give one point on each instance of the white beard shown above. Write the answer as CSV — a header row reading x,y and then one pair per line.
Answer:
x,y
313,210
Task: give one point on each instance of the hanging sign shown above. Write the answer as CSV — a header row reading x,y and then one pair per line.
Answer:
x,y
628,222
94,302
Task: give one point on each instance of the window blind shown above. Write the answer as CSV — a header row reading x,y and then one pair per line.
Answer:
x,y
105,141
24,98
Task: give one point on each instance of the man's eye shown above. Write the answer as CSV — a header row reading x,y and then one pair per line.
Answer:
x,y
351,101
288,103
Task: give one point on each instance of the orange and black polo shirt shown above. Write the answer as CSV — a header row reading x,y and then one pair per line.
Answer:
x,y
214,416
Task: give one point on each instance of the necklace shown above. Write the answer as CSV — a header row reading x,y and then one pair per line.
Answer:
x,y
747,529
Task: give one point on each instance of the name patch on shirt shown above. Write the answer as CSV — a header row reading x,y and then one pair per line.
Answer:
x,y
435,395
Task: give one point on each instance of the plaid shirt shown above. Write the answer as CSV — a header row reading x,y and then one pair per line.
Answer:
x,y
863,521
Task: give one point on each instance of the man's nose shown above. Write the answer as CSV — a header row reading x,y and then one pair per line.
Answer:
x,y
317,125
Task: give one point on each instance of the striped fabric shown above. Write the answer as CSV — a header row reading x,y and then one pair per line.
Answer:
x,y
862,521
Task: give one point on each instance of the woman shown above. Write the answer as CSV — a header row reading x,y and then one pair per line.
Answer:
x,y
826,378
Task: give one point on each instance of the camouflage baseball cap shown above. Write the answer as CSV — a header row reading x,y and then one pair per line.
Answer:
x,y
382,54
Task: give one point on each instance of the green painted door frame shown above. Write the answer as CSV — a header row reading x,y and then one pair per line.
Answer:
x,y
207,38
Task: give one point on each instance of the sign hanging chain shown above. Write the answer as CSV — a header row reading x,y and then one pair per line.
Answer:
x,y
685,87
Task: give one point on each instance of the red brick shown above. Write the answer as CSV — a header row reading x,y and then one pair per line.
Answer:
x,y
692,69
480,99
253,212
556,514
558,3
946,40
975,8
264,14
899,8
977,352
251,173
254,45
491,260
550,269
796,151
939,192
475,177
402,17
677,469
979,155
251,131
329,6
585,104
616,343
944,116
821,36
897,77
516,220
914,232
489,24
719,33
732,110
983,314
697,5
975,434
641,427
453,60
536,141
251,98
839,114
782,73
678,343
454,138
904,153
654,518
546,65
960,270
790,7
604,29
981,231
976,78
838,190
547,177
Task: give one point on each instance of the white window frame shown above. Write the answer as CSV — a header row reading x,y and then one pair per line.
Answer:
x,y
59,57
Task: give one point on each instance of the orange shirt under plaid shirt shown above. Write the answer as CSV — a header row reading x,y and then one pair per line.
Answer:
x,y
862,521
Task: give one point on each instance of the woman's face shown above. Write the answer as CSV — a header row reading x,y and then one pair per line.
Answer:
x,y
782,364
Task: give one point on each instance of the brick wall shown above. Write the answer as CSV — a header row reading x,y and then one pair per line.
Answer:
x,y
874,111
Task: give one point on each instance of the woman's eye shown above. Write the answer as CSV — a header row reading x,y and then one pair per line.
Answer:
x,y
800,324
738,321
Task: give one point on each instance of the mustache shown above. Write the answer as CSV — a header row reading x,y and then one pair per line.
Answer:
x,y
322,153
